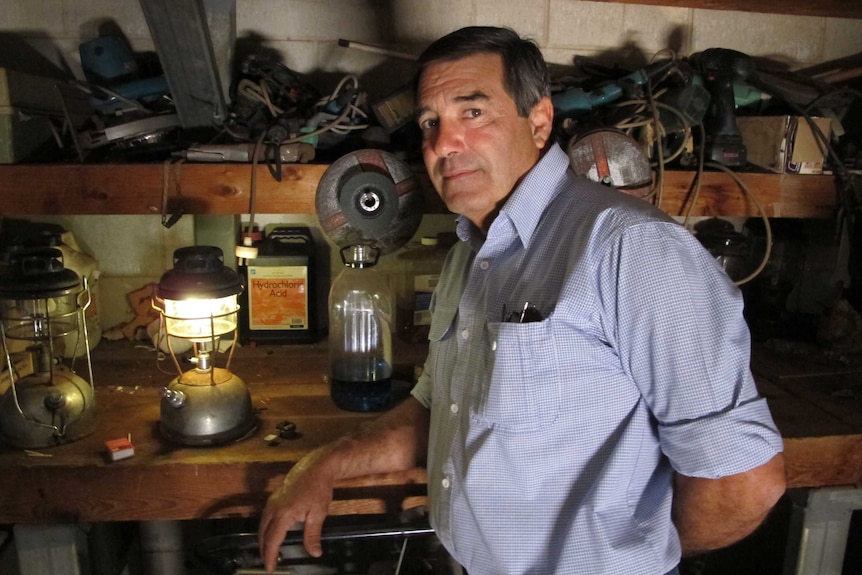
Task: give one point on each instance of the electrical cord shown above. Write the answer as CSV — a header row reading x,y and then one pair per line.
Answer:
x,y
339,126
252,193
639,120
750,195
258,92
636,120
336,123
658,131
698,178
342,123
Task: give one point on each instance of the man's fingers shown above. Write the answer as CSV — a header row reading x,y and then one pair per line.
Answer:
x,y
270,538
311,536
262,528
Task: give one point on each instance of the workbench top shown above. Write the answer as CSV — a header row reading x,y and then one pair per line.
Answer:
x,y
77,482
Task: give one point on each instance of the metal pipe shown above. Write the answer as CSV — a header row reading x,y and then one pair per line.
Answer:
x,y
376,50
162,548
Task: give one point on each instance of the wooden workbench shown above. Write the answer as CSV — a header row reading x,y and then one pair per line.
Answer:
x,y
77,482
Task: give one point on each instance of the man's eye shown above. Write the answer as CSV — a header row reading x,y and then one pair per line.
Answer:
x,y
427,124
474,112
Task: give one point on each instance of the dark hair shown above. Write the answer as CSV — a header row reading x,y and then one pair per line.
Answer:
x,y
525,74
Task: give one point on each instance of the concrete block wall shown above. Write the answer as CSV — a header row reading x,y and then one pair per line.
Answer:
x,y
305,31
133,250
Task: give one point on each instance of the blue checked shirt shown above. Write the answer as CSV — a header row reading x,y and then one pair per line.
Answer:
x,y
553,442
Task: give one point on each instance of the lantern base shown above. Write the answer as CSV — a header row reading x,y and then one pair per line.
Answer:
x,y
201,409
50,409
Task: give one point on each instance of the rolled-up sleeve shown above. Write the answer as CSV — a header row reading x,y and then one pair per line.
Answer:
x,y
682,339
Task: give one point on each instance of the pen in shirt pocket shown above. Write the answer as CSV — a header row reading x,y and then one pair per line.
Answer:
x,y
529,313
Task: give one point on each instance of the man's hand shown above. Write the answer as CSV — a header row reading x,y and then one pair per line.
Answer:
x,y
714,513
303,498
396,441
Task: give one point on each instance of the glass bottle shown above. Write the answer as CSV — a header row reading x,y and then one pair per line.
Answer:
x,y
360,333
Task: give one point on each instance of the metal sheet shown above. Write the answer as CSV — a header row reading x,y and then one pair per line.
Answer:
x,y
185,44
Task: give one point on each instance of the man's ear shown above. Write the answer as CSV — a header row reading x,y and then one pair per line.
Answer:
x,y
542,121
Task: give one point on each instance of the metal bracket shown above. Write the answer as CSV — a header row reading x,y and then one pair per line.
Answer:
x,y
818,545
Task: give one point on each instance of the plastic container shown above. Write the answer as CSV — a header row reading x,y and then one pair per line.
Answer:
x,y
279,302
360,333
419,271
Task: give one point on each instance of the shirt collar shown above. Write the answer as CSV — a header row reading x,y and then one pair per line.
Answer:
x,y
528,201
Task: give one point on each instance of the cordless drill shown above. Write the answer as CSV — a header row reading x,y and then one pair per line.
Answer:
x,y
719,69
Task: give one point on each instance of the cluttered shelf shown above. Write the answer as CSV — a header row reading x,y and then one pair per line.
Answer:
x,y
139,189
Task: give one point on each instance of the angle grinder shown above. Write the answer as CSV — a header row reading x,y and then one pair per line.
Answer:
x,y
612,158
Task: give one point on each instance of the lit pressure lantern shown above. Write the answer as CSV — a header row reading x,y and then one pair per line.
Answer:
x,y
197,300
41,302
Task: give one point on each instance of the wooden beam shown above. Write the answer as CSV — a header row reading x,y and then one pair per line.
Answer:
x,y
780,195
826,8
142,189
823,461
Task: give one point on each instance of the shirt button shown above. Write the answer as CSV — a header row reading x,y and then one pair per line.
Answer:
x,y
445,483
465,333
453,408
494,345
484,264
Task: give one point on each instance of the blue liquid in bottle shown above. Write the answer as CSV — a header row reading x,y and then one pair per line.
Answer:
x,y
360,334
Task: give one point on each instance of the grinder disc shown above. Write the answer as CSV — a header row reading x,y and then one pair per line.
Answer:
x,y
369,196
612,158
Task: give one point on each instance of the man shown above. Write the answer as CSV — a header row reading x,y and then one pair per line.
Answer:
x,y
586,405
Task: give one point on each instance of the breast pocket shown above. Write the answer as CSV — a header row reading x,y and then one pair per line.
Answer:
x,y
522,389
442,323
441,350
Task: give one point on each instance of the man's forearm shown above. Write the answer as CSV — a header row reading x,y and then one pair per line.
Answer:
x,y
396,441
714,513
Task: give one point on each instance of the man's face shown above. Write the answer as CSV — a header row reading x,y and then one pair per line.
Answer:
x,y
476,146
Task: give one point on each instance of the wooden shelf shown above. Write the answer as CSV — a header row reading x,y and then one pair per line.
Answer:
x,y
826,8
73,189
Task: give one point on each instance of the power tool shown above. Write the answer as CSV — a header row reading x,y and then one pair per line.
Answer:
x,y
719,69
577,101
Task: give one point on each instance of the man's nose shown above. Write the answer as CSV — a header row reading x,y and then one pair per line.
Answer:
x,y
448,138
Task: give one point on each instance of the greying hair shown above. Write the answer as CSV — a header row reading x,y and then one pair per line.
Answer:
x,y
525,73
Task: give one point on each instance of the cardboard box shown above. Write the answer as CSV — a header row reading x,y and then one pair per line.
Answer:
x,y
784,144
120,448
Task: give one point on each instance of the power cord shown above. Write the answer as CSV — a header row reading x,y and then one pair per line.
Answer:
x,y
646,115
258,92
768,251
